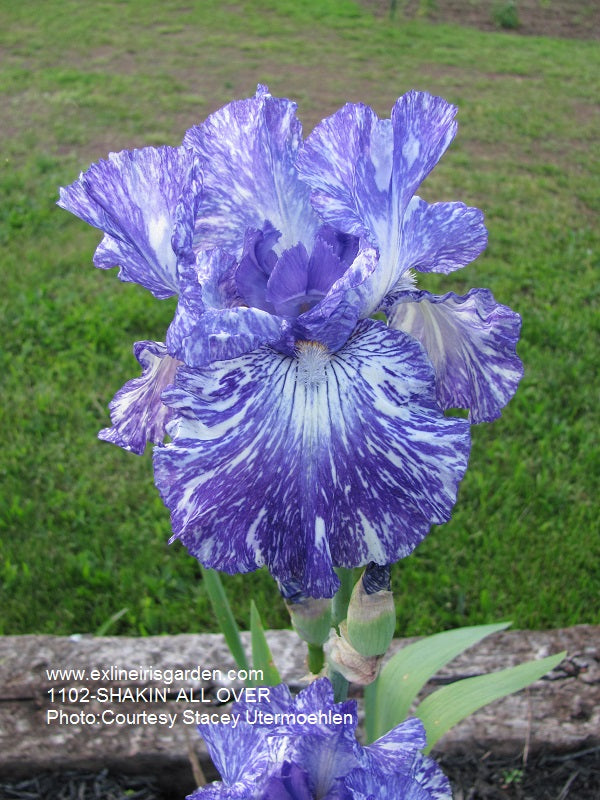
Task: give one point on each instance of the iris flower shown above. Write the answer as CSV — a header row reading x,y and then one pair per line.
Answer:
x,y
306,749
303,434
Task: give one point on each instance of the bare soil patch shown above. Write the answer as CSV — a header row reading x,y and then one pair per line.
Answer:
x,y
569,19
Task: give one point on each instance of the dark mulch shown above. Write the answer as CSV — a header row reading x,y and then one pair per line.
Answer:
x,y
77,785
550,776
547,776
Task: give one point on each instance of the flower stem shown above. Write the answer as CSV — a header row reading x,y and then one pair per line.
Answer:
x,y
343,594
316,658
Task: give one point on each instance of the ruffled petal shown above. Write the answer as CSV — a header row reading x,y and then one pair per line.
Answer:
x,y
375,785
429,775
139,198
471,341
424,126
397,754
392,750
250,147
364,172
441,237
296,749
137,412
325,745
308,462
347,161
242,754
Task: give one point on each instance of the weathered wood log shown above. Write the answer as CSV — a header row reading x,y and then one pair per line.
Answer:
x,y
130,710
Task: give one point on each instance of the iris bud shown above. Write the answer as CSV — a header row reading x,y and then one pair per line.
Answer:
x,y
311,618
371,617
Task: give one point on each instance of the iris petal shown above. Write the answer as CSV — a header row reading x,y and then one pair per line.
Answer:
x,y
346,160
364,172
137,412
291,784
242,754
471,342
424,127
375,785
250,147
393,747
428,774
298,281
309,462
139,198
441,237
256,265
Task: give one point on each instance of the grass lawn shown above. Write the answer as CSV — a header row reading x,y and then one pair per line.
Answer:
x,y
83,533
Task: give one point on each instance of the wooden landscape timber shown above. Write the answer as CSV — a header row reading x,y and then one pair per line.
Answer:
x,y
123,723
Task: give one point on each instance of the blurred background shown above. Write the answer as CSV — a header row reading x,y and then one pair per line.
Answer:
x,y
83,533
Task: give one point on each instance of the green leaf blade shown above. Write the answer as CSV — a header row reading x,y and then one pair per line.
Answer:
x,y
224,615
261,653
405,674
446,707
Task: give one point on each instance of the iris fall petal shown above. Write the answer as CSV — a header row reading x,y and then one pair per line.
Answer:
x,y
310,461
471,342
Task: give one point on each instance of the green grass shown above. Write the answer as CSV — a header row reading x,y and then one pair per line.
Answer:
x,y
83,533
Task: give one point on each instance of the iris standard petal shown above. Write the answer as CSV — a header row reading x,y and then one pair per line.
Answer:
x,y
312,461
138,198
250,148
424,126
347,161
137,412
364,172
471,341
326,749
306,748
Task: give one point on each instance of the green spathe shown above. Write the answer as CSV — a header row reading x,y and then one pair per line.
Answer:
x,y
371,621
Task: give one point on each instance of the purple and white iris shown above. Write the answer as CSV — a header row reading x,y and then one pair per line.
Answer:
x,y
304,435
305,748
